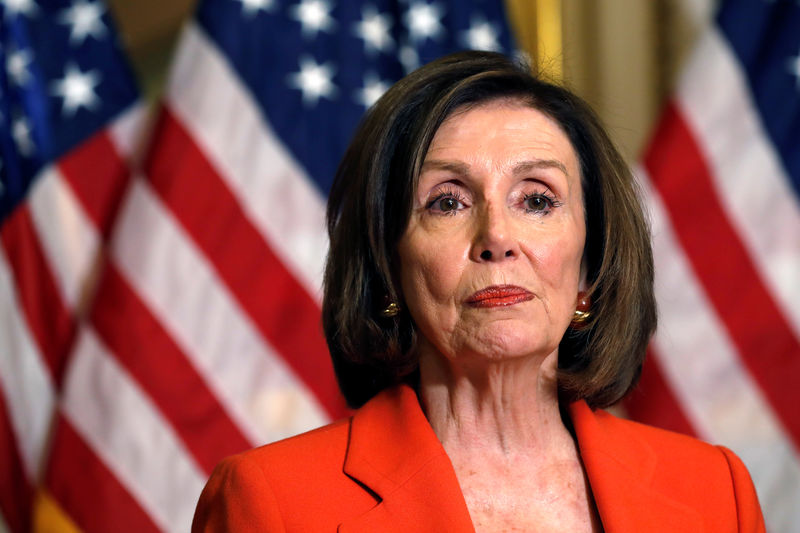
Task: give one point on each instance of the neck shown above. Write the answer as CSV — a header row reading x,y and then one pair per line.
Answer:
x,y
499,408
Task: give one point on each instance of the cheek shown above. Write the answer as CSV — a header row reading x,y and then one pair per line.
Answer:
x,y
571,246
559,261
429,276
431,270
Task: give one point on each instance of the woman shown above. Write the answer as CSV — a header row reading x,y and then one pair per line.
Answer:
x,y
488,288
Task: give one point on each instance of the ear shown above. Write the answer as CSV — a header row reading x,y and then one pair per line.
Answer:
x,y
583,301
583,286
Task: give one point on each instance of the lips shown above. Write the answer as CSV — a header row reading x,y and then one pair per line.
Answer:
x,y
499,296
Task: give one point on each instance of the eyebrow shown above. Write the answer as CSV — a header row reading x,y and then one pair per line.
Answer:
x,y
525,166
453,166
522,167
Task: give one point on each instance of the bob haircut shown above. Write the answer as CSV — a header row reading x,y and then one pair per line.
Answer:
x,y
369,207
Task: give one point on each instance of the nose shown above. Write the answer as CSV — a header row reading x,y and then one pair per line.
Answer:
x,y
494,239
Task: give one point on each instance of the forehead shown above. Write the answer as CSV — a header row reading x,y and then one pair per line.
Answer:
x,y
508,128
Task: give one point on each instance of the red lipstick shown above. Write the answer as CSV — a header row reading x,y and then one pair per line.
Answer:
x,y
499,296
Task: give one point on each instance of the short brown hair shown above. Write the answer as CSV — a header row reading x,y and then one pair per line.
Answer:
x,y
370,204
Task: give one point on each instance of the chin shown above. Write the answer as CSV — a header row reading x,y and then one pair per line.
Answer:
x,y
514,344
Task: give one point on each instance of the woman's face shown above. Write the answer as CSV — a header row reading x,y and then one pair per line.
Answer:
x,y
490,263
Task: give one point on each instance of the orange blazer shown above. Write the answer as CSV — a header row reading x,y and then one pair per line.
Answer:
x,y
384,469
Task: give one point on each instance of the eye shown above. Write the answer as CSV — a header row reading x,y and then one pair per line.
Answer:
x,y
446,202
537,203
540,203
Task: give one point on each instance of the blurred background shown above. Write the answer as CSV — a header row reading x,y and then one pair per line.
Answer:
x,y
163,173
622,56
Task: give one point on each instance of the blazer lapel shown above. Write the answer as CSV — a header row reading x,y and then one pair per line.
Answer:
x,y
395,454
620,467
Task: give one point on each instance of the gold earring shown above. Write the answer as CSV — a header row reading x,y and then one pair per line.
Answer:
x,y
582,313
390,310
580,317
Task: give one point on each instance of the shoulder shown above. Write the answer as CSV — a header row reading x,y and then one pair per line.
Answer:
x,y
601,431
294,482
709,478
674,456
314,448
661,441
317,455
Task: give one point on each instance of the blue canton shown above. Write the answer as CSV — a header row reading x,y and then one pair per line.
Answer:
x,y
62,78
314,66
765,36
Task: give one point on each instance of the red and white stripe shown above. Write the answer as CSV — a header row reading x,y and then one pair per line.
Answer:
x,y
750,183
204,332
49,246
29,364
243,371
26,380
263,195
217,110
128,432
713,388
727,349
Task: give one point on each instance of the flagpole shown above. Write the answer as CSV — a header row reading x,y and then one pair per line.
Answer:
x,y
538,29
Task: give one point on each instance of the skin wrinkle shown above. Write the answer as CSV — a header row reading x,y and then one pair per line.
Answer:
x,y
496,232
462,425
519,168
487,375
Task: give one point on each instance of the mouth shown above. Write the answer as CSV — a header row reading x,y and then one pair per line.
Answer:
x,y
499,296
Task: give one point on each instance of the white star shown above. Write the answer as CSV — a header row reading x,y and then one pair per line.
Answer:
x,y
314,80
77,89
374,29
481,35
423,21
26,7
373,89
409,58
21,131
17,63
313,15
793,66
85,19
252,7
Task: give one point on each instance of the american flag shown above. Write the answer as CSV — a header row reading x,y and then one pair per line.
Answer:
x,y
68,115
723,177
203,336
199,333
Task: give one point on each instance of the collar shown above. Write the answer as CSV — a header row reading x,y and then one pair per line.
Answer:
x,y
620,466
394,453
